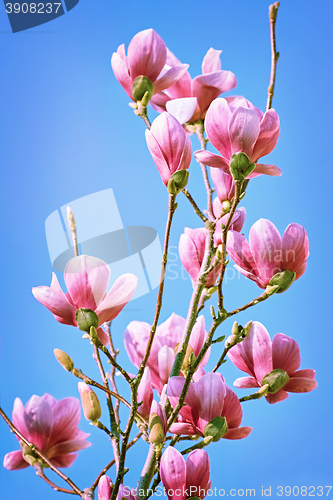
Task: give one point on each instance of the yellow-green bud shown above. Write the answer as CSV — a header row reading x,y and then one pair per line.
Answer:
x,y
216,428
241,166
86,318
273,10
65,360
90,403
156,431
283,280
188,356
234,329
178,181
142,87
276,379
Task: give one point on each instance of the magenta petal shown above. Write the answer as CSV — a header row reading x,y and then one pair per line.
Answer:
x,y
57,303
18,417
268,136
240,251
300,384
86,279
182,108
67,447
117,298
212,160
238,433
224,184
210,392
217,126
260,169
173,473
66,416
285,353
38,419
266,248
185,429
276,398
64,460
103,337
295,248
146,55
232,409
197,470
105,488
244,129
14,461
211,61
171,76
246,383
306,373
208,87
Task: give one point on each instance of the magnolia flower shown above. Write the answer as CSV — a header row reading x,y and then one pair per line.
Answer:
x,y
185,479
87,279
224,185
237,221
145,394
258,356
206,399
146,56
187,99
167,337
105,487
234,125
52,426
267,253
169,146
191,252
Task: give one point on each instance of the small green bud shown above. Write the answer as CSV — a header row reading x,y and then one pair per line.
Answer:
x,y
283,280
90,403
276,379
142,87
234,329
241,166
156,431
273,10
247,328
65,360
178,181
86,318
226,205
216,428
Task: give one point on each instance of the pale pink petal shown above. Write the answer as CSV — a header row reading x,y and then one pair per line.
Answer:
x,y
306,373
239,433
145,394
285,353
246,383
212,61
240,251
244,129
266,248
170,331
135,338
183,86
217,126
208,87
86,279
232,409
268,136
251,276
224,184
189,412
261,169
277,397
185,429
57,303
189,256
146,55
173,473
158,102
18,417
295,247
166,357
300,384
117,298
238,100
198,335
14,461
38,420
170,77
105,487
197,469
182,108
301,271
212,160
120,70
210,392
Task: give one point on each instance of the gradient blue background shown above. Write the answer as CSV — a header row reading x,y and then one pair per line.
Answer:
x,y
67,131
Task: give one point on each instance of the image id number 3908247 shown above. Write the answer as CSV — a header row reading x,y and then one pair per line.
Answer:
x,y
304,491
32,8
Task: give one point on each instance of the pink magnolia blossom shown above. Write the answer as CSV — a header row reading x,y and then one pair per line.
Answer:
x,y
145,394
52,426
167,336
206,399
160,412
234,125
237,221
105,487
87,279
258,356
147,55
224,184
169,146
191,252
185,479
187,99
267,253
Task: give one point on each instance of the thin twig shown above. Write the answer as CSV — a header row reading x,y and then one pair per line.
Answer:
x,y
273,10
113,371
41,474
264,296
209,190
194,205
72,227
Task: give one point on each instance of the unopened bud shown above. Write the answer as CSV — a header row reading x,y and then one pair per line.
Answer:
x,y
241,166
86,318
216,428
141,86
156,431
273,10
234,329
187,360
247,328
65,360
178,181
226,205
276,379
283,280
90,403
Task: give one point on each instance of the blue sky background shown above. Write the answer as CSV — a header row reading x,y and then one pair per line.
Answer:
x,y
67,132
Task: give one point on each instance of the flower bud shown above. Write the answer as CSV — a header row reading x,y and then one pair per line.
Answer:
x,y
216,428
247,328
188,357
276,379
235,329
156,431
240,166
178,181
90,404
273,10
142,85
105,488
65,360
283,280
86,318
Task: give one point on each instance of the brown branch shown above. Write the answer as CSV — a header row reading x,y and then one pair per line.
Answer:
x,y
273,10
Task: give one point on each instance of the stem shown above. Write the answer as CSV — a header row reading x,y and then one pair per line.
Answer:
x,y
147,473
113,371
263,391
41,474
209,190
264,296
40,454
194,205
72,227
113,361
273,10
198,446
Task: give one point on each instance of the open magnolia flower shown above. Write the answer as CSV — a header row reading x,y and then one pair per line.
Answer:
x,y
274,363
51,425
87,279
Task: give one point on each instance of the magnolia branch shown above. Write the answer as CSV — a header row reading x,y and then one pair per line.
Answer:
x,y
273,10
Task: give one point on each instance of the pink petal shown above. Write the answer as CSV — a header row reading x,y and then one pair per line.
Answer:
x,y
210,392
158,102
211,61
306,373
145,394
232,409
170,331
300,384
237,100
189,256
208,87
57,303
14,461
38,419
197,470
240,251
117,298
173,473
182,108
67,447
185,429
212,160
251,276
198,335
224,184
64,460
18,417
66,416
166,357
260,169
183,86
105,488
170,77
277,397
285,353
239,433
268,136
266,248
189,412
120,70
217,126
86,279
146,55
295,247
103,337
244,129
246,383
135,338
